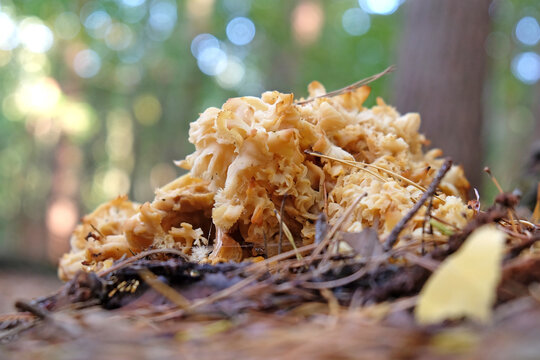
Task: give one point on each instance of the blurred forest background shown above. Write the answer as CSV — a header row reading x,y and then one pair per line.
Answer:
x,y
97,96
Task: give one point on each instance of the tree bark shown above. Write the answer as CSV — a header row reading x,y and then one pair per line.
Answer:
x,y
440,74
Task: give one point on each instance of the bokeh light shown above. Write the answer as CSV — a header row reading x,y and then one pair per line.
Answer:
x,y
528,31
62,217
32,62
87,63
147,109
132,3
379,7
233,73
76,119
119,141
355,21
162,19
202,42
118,36
240,31
35,36
97,23
67,25
38,97
9,38
212,61
200,10
115,182
307,22
526,67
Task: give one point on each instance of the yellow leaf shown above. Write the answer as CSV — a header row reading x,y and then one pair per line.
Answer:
x,y
465,283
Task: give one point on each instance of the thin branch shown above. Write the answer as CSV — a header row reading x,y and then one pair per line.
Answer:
x,y
426,263
336,283
97,230
347,162
171,294
281,224
288,234
36,310
350,87
487,170
392,238
426,219
139,256
362,166
280,257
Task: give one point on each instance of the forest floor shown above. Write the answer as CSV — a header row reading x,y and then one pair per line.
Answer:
x,y
243,326
94,333
17,285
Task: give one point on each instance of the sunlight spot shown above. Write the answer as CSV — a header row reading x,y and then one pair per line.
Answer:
x,y
67,25
147,109
87,63
355,22
526,67
62,217
307,22
35,36
9,38
240,31
379,7
232,75
528,31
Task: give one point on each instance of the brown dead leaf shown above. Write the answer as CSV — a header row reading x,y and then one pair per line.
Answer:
x,y
365,243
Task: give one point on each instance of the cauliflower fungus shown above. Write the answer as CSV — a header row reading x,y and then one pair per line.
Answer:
x,y
255,155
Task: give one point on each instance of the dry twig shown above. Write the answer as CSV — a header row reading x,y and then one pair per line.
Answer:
x,y
350,87
392,238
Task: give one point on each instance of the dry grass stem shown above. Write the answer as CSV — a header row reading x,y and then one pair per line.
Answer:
x,y
350,87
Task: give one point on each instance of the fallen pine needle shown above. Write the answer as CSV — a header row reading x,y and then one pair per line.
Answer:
x,y
288,235
350,87
362,165
171,294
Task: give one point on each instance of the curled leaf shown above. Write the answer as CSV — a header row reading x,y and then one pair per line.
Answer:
x,y
365,243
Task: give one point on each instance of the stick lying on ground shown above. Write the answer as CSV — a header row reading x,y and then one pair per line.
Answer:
x,y
392,238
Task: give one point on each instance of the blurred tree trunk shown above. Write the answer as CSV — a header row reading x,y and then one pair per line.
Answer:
x,y
441,69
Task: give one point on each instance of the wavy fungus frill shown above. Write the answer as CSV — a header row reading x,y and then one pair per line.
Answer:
x,y
250,161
